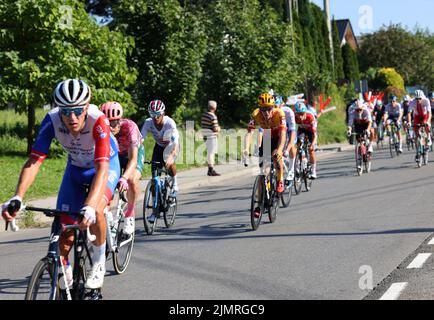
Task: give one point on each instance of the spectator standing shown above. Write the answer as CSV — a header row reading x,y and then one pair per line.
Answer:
x,y
210,130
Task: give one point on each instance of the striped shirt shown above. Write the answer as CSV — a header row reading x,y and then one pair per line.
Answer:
x,y
209,124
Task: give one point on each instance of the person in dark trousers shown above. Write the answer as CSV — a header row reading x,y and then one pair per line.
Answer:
x,y
210,130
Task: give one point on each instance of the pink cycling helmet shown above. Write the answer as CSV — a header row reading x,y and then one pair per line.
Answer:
x,y
112,110
156,107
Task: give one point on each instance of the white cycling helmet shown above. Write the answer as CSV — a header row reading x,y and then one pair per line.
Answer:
x,y
419,94
407,98
72,93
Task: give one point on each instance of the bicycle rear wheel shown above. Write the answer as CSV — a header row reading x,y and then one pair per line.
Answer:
x,y
286,195
42,286
148,208
124,243
257,205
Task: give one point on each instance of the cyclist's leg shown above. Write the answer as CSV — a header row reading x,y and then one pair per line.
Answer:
x,y
292,150
133,183
168,151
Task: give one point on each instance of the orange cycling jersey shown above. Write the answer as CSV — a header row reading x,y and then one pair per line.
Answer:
x,y
276,123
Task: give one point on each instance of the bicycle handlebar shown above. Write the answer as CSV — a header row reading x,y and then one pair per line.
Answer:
x,y
53,213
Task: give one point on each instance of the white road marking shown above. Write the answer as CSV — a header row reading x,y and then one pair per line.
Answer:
x,y
419,260
432,241
394,291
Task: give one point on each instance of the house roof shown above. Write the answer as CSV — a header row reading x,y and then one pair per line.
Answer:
x,y
345,28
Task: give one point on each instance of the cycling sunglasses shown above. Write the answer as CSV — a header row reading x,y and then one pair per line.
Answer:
x,y
68,111
114,123
265,109
155,114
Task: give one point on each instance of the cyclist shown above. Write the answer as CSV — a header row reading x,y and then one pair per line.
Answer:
x,y
269,117
307,124
291,141
360,117
377,118
393,113
83,130
131,157
166,136
405,105
420,110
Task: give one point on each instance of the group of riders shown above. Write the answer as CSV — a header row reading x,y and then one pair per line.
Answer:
x,y
106,151
372,117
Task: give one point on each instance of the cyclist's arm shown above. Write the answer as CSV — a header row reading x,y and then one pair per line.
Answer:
x,y
282,140
37,156
27,176
247,140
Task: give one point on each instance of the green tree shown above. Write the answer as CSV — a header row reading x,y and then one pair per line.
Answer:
x,y
338,60
394,47
350,63
170,47
43,42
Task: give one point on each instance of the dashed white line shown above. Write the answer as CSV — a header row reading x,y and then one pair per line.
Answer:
x,y
419,260
394,291
432,241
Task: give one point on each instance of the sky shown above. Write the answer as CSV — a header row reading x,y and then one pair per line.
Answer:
x,y
368,16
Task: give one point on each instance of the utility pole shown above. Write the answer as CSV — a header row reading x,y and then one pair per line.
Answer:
x,y
329,26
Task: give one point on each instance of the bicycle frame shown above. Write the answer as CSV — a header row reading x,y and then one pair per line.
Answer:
x,y
53,254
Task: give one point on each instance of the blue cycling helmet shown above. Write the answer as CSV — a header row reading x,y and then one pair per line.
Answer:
x,y
432,95
300,107
393,98
278,100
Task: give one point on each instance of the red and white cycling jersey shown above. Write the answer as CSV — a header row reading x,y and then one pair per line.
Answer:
x,y
90,146
307,121
421,110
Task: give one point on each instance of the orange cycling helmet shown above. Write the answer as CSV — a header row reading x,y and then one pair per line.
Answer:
x,y
266,100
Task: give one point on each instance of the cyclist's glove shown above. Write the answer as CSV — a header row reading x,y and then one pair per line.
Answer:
x,y
122,184
13,205
89,213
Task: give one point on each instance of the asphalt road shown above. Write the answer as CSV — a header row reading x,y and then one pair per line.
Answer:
x,y
337,241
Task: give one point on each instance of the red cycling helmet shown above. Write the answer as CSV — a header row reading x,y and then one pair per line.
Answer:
x,y
112,110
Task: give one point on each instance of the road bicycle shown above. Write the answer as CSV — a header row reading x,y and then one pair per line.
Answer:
x,y
302,166
380,135
409,136
265,198
46,281
362,156
119,244
422,148
158,199
287,194
392,132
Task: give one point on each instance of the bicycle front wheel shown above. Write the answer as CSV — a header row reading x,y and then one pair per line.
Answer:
x,y
124,244
148,208
170,211
257,205
42,285
286,195
274,202
298,173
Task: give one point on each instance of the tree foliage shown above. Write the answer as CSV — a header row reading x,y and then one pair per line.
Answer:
x,y
394,47
43,42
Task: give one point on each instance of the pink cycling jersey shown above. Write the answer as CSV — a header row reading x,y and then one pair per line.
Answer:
x,y
129,136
